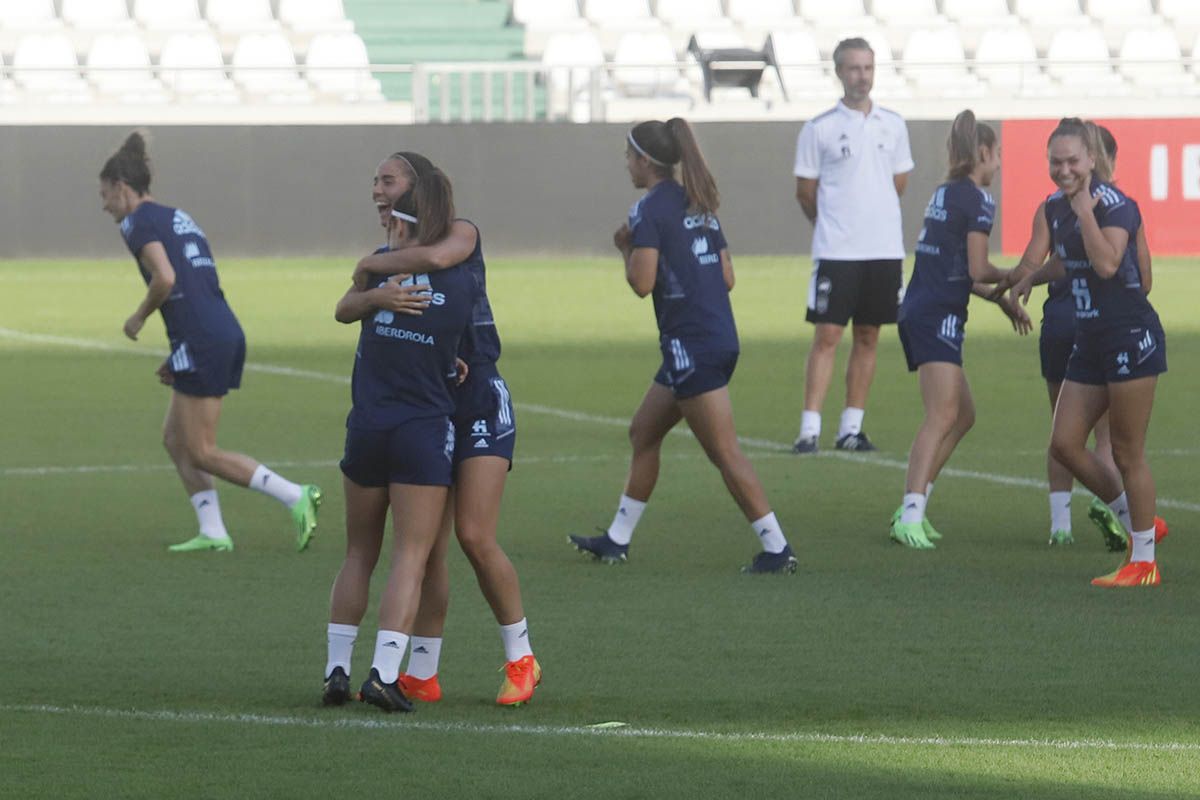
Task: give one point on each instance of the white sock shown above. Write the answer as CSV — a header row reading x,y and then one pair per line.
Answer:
x,y
208,512
913,508
341,645
1120,507
810,424
277,486
390,647
852,419
769,533
1143,545
629,511
424,653
1060,511
516,640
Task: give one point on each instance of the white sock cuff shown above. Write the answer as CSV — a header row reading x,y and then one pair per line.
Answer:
x,y
810,424
852,420
629,503
338,629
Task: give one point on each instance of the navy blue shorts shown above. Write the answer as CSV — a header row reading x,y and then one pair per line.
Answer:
x,y
1055,352
210,369
692,374
416,453
1116,355
484,423
929,338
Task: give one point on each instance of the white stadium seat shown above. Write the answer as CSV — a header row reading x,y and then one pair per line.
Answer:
x,y
44,66
1044,18
1183,16
1118,17
1078,59
264,65
1151,59
191,65
1007,59
314,16
644,65
544,18
934,61
829,21
236,17
97,15
338,64
758,18
684,18
801,65
29,16
169,15
612,19
906,12
570,59
119,67
975,18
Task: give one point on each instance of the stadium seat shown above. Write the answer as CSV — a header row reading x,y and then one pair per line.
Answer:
x,y
544,18
28,16
900,18
173,16
1151,59
645,65
264,65
685,18
975,18
570,59
44,66
1183,16
314,16
338,65
192,66
1007,59
829,22
1078,59
233,18
801,65
1118,17
1045,18
118,65
97,15
935,63
757,18
612,19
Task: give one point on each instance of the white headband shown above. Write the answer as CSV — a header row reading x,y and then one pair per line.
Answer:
x,y
638,147
403,216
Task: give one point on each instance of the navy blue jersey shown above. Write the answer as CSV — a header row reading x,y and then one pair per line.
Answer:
x,y
941,281
1099,303
196,310
691,300
404,363
481,341
1058,312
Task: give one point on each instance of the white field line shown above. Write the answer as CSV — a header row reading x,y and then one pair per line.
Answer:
x,y
598,730
578,416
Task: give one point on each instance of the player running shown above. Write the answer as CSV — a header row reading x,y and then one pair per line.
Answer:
x,y
1120,348
208,350
673,247
952,262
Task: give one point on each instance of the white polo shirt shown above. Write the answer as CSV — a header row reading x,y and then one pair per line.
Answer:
x,y
854,156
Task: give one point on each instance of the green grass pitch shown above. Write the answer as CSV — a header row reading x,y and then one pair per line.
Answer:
x,y
987,668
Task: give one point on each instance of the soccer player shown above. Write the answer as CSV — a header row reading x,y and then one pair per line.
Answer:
x,y
485,434
399,445
1120,348
952,262
1056,340
673,247
208,350
852,164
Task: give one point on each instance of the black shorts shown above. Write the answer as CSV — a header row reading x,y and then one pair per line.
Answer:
x,y
1055,352
484,422
866,291
1123,354
415,453
209,369
939,338
689,374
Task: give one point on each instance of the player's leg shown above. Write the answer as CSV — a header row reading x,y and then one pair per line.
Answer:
x,y
199,486
710,416
1130,406
1080,406
1061,482
419,679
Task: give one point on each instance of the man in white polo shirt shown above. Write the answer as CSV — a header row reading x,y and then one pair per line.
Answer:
x,y
852,163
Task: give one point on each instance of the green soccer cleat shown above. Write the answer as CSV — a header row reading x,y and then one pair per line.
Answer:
x,y
910,534
931,533
202,542
304,514
1058,538
1116,539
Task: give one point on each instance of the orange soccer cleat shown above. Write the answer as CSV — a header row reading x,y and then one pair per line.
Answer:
x,y
1160,529
427,690
1135,573
520,679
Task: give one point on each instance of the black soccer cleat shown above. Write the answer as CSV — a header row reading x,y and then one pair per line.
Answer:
x,y
857,442
386,696
600,547
805,444
337,688
783,562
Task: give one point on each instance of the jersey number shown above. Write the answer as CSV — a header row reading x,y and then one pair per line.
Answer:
x,y
1083,295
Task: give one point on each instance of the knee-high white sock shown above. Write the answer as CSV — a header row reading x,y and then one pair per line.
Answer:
x,y
852,420
912,508
1060,511
390,647
1120,507
1143,545
516,640
629,511
341,645
423,656
208,513
769,533
275,485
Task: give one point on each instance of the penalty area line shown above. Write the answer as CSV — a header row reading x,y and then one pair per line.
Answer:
x,y
627,732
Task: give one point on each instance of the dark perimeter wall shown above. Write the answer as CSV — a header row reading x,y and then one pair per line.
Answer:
x,y
532,188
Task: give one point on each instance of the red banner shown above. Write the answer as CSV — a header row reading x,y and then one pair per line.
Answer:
x,y
1158,164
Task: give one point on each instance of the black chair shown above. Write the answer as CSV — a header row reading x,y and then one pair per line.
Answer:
x,y
734,66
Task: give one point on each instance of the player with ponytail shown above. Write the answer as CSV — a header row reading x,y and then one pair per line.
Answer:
x,y
208,349
674,248
951,264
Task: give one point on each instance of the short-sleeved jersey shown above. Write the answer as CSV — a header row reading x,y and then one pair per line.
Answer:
x,y
854,157
404,364
481,342
691,301
196,310
941,279
1100,303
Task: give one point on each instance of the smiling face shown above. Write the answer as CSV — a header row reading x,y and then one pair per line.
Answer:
x,y
856,71
1070,163
119,200
391,181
